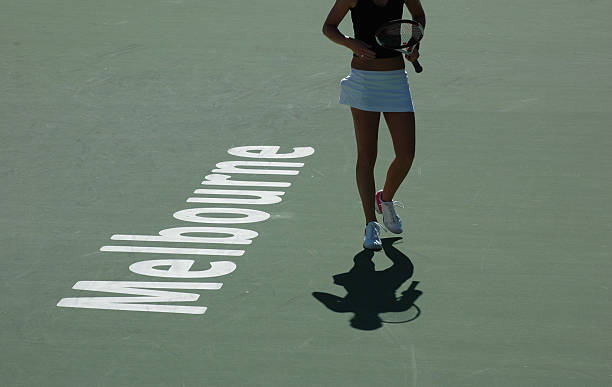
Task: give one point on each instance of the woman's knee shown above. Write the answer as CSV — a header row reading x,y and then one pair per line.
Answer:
x,y
405,159
366,161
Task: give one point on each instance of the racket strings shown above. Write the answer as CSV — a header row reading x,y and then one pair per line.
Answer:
x,y
400,35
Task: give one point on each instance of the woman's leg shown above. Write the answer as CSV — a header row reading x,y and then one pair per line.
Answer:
x,y
366,134
402,128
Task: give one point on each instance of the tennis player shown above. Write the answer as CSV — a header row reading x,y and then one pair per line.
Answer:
x,y
377,83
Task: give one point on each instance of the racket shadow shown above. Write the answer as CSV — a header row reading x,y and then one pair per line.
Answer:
x,y
371,293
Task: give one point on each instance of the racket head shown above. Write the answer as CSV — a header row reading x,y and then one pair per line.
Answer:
x,y
400,317
399,34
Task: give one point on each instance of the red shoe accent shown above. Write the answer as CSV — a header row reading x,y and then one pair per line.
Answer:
x,y
379,201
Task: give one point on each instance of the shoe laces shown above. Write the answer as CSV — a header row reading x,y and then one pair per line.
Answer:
x,y
393,213
397,203
380,226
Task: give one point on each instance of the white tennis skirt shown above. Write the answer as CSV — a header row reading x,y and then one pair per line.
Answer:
x,y
377,91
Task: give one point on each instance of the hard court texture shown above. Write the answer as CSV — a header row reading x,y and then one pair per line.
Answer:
x,y
112,113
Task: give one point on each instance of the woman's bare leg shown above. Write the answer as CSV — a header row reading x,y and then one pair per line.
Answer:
x,y
366,133
402,128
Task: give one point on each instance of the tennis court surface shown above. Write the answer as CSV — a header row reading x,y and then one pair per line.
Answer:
x,y
114,113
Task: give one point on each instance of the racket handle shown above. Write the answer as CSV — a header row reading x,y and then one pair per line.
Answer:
x,y
417,66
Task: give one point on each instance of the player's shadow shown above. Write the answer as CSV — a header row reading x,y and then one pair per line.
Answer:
x,y
371,292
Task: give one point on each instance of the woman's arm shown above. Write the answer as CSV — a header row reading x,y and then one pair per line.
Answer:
x,y
418,15
330,29
416,10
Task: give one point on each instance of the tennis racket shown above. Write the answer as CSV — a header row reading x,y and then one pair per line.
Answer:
x,y
401,35
405,310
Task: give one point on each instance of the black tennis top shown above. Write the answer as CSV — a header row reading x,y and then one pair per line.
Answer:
x,y
367,17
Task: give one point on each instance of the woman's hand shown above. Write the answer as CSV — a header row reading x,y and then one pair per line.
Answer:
x,y
414,55
361,49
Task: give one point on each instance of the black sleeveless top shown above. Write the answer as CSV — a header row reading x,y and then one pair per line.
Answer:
x,y
367,17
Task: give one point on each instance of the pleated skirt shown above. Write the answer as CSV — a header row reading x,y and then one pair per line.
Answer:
x,y
377,91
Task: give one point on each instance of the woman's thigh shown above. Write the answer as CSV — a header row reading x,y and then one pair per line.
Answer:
x,y
402,128
366,131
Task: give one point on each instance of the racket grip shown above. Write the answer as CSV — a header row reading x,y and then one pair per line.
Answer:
x,y
417,66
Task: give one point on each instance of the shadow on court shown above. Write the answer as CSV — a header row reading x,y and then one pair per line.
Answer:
x,y
371,294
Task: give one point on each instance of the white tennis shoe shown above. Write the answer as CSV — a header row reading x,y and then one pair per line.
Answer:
x,y
387,209
371,239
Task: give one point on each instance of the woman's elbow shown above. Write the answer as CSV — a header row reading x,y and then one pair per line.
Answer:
x,y
325,29
328,29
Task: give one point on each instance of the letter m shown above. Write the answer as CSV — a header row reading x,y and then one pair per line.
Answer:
x,y
147,301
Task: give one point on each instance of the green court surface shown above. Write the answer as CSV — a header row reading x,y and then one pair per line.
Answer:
x,y
112,113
